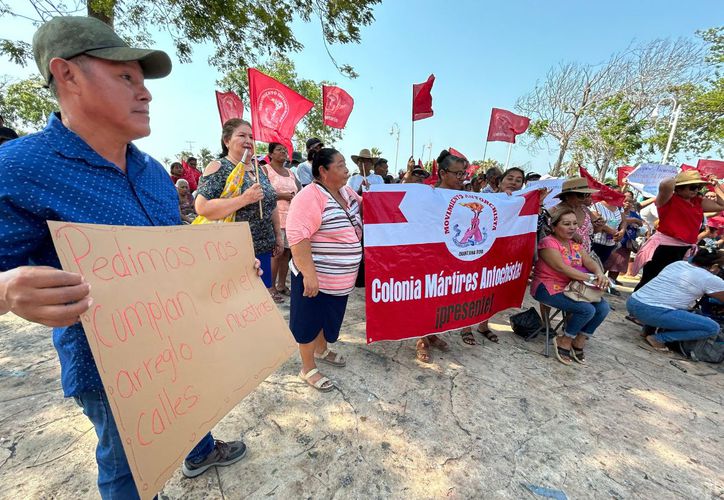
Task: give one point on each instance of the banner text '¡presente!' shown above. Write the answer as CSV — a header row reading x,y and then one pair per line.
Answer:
x,y
440,285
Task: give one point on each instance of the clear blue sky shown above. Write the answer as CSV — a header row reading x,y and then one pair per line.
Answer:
x,y
483,54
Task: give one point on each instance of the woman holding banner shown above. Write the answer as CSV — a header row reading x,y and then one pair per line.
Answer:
x,y
561,261
236,147
681,211
324,230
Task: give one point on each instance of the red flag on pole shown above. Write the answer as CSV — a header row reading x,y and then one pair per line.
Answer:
x,y
711,167
622,172
422,99
504,125
275,109
457,153
605,193
337,106
230,106
434,176
685,167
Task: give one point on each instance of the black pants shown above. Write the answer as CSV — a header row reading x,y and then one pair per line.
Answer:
x,y
603,252
663,256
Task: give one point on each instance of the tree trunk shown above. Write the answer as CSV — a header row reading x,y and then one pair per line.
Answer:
x,y
604,168
102,10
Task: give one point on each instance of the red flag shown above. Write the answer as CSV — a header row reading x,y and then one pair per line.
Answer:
x,y
275,109
230,106
419,163
472,170
622,172
685,167
457,153
422,99
711,167
434,176
605,193
504,125
337,106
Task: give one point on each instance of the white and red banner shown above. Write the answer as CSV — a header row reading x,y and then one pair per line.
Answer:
x,y
439,259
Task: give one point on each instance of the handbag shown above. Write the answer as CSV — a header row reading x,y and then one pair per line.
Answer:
x,y
633,245
580,292
526,324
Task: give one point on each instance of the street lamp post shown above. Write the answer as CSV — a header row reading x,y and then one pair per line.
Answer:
x,y
673,121
395,131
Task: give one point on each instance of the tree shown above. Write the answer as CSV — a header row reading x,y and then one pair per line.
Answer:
x,y
603,112
282,68
240,30
375,152
483,166
26,104
205,157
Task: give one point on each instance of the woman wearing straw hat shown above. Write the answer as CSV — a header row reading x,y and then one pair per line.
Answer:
x,y
576,195
681,211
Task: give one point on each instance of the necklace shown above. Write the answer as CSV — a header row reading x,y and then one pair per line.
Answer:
x,y
235,162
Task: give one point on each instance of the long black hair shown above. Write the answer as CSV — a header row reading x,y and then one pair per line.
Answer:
x,y
706,258
446,159
322,158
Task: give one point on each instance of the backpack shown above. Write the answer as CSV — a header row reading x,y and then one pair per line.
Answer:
x,y
709,350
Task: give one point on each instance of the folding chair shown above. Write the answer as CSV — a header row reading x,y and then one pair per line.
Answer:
x,y
549,317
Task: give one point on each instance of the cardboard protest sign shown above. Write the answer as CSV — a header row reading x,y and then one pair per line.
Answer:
x,y
181,329
439,259
647,177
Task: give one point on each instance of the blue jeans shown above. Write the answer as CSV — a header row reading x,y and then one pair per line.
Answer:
x,y
114,475
680,325
265,265
582,317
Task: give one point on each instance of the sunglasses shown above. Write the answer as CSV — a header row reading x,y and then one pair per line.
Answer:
x,y
692,187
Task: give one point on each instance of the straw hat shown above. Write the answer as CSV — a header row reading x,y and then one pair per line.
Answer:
x,y
364,154
688,177
576,185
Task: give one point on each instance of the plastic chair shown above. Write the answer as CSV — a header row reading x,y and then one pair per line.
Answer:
x,y
549,316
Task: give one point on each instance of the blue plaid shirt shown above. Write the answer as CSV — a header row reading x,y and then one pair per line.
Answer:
x,y
55,175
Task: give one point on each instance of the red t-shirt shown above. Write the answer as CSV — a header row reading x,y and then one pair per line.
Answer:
x,y
680,219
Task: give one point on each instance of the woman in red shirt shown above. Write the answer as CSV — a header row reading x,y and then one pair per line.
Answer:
x,y
681,212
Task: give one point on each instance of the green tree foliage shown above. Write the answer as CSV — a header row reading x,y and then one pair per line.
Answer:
x,y
205,157
25,104
282,68
239,30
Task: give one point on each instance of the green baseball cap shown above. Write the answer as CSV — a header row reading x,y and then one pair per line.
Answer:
x,y
71,36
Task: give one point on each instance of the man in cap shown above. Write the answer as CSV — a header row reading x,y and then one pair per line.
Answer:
x,y
304,170
91,173
492,178
365,178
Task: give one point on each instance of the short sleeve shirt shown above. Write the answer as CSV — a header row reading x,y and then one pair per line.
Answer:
x,y
679,286
262,230
55,175
554,281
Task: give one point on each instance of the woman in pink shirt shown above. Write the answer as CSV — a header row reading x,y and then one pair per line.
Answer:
x,y
324,230
562,260
285,185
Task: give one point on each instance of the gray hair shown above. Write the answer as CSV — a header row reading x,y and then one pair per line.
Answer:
x,y
182,182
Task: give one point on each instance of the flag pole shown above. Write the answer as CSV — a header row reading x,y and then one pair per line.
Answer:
x,y
507,160
485,151
413,138
256,170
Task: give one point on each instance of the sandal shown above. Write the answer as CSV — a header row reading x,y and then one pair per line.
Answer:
x,y
488,334
468,338
563,355
276,297
422,352
659,346
578,355
322,385
633,320
283,291
439,343
336,359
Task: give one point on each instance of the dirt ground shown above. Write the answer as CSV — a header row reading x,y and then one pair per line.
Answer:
x,y
479,422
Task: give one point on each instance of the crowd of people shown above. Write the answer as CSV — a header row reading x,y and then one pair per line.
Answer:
x,y
305,221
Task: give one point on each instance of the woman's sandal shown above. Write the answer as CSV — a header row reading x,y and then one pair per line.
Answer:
x,y
422,352
283,291
562,355
335,360
322,385
436,341
578,355
488,334
468,338
651,340
276,296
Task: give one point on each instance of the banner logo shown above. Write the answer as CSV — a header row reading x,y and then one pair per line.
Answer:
x,y
469,226
273,108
